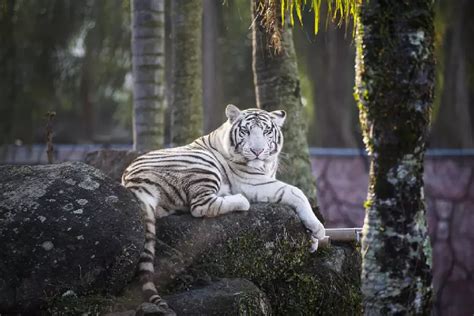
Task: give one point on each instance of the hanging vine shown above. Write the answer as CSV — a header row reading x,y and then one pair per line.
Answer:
x,y
273,14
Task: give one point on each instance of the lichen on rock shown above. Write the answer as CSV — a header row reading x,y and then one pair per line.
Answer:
x,y
58,236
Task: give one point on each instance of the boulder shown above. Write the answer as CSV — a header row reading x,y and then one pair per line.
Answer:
x,y
222,297
267,245
111,162
65,230
217,297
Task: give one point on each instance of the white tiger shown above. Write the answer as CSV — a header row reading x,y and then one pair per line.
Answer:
x,y
218,173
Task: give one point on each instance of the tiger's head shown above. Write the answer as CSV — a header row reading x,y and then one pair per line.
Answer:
x,y
255,135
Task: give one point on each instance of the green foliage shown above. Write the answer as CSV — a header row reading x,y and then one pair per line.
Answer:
x,y
62,55
338,10
272,15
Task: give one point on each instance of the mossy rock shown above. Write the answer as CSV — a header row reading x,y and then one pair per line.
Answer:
x,y
64,228
267,245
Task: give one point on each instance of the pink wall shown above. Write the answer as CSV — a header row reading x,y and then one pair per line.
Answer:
x,y
449,190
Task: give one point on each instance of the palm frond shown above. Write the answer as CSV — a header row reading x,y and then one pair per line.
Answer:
x,y
273,14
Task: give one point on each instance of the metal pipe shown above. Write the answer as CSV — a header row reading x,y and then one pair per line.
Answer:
x,y
340,234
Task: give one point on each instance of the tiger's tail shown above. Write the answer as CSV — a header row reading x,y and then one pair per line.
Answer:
x,y
146,270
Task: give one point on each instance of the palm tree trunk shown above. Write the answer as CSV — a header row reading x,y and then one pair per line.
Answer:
x,y
211,75
186,71
394,84
148,29
277,86
8,62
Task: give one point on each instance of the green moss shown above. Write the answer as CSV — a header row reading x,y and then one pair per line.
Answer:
x,y
295,281
71,305
252,304
93,304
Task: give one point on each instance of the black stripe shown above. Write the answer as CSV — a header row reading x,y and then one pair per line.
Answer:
x,y
148,252
138,170
244,171
238,144
220,205
146,255
149,240
223,169
176,191
149,293
263,183
149,235
149,220
166,194
280,197
171,161
145,259
147,191
204,172
232,138
204,202
156,300
280,189
142,180
214,199
296,195
197,181
145,274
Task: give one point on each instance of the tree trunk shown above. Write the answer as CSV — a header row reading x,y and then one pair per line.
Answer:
x,y
86,103
148,25
394,84
212,82
8,86
277,87
330,66
455,99
186,68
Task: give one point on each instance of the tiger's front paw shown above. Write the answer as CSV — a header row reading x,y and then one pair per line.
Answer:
x,y
244,203
314,244
239,202
318,233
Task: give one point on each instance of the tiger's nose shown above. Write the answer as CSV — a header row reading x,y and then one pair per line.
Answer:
x,y
257,151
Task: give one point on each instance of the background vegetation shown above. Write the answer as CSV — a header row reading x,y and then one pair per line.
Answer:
x,y
74,58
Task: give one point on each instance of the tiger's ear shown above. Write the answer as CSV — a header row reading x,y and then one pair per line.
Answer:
x,y
278,117
232,112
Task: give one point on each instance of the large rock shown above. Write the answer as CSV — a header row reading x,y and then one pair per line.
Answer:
x,y
64,229
267,245
222,297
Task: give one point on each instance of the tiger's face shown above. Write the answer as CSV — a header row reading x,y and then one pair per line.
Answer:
x,y
255,135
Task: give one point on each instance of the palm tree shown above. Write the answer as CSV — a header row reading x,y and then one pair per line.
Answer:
x,y
277,86
394,84
186,102
148,29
